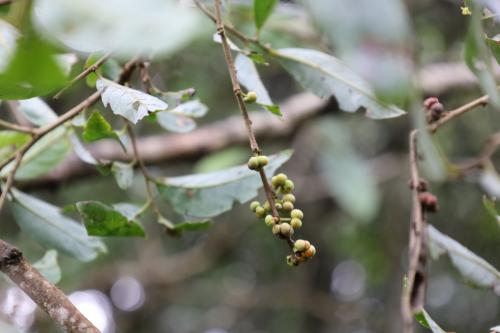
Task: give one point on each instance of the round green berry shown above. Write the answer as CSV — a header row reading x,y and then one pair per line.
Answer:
x,y
269,220
288,186
296,223
279,180
289,197
297,213
267,206
278,206
253,163
286,229
291,261
250,97
263,160
260,212
287,206
276,229
254,205
299,245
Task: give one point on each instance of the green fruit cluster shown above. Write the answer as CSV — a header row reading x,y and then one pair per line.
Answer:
x,y
288,220
257,162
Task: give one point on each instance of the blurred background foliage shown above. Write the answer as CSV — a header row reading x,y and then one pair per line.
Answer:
x,y
351,175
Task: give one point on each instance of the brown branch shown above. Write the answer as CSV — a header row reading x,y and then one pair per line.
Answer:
x,y
484,157
47,296
10,179
84,74
414,291
16,127
482,101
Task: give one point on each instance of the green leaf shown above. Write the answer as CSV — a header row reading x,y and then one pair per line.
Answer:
x,y
472,267
490,205
10,141
44,222
103,220
123,173
210,194
179,119
261,11
129,103
345,172
478,58
110,68
43,157
249,77
25,78
176,229
37,111
49,267
116,26
325,76
494,45
97,128
426,321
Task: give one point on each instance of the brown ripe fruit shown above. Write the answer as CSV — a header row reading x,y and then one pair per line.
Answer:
x,y
437,111
429,202
310,252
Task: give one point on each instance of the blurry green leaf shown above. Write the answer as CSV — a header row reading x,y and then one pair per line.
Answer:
x,y
43,157
66,62
494,45
249,77
8,36
478,58
325,76
124,27
97,128
490,205
261,11
49,267
124,174
179,228
346,174
102,220
43,222
37,111
473,268
426,321
210,194
32,71
222,159
179,119
10,141
257,58
129,103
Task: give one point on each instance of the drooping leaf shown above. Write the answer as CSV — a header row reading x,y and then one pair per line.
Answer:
x,y
249,77
129,103
49,267
490,205
261,11
210,194
232,46
43,157
345,172
97,128
123,173
472,267
37,111
82,152
325,76
180,118
103,220
44,222
478,58
32,71
124,27
426,321
176,229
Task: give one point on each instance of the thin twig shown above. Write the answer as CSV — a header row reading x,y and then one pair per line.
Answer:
x,y
484,157
10,179
482,101
84,74
16,127
42,292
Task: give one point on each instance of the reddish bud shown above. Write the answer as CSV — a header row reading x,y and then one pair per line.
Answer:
x,y
429,202
429,102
